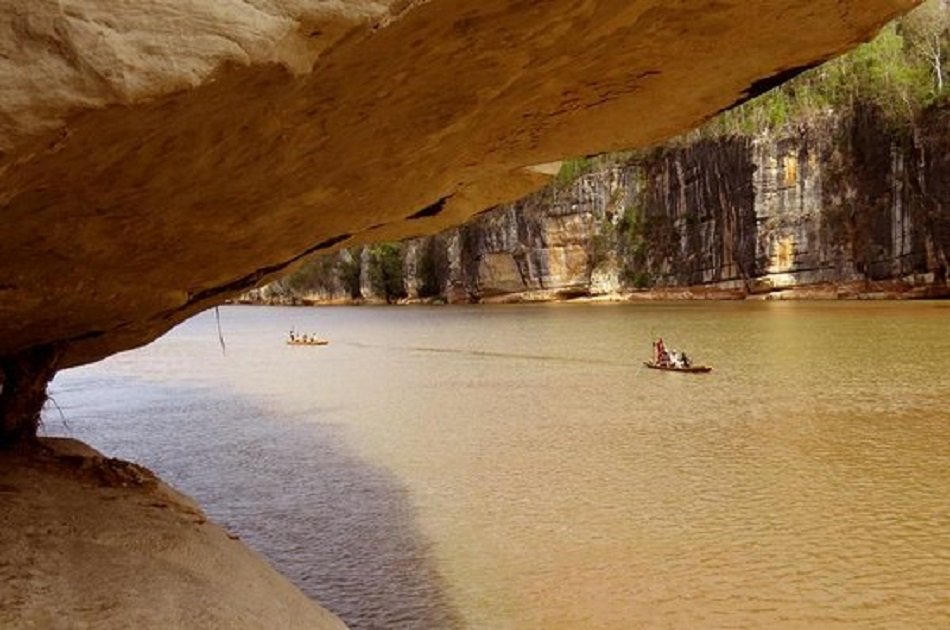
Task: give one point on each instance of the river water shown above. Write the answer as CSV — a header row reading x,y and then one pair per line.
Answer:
x,y
517,467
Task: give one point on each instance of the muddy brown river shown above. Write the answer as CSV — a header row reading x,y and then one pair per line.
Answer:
x,y
517,467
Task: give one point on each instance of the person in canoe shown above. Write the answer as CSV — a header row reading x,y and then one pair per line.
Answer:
x,y
660,355
669,358
679,359
673,360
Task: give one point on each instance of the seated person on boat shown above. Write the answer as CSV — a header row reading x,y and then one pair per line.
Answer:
x,y
669,358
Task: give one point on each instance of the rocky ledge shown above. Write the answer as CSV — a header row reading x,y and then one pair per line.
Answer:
x,y
88,541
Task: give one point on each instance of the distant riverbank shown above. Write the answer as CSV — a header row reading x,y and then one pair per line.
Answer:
x,y
883,290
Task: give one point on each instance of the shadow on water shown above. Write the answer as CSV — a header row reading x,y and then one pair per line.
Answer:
x,y
341,528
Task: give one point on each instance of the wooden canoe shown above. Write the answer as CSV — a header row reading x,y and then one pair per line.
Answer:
x,y
695,369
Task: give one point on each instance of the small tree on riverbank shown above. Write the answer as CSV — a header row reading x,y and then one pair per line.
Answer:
x,y
387,272
349,270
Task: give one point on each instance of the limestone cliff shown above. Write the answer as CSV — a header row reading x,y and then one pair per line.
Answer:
x,y
843,206
843,203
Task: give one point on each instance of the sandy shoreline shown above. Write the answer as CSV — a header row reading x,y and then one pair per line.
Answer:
x,y
88,541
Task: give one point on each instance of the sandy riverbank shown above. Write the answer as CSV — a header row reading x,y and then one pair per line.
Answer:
x,y
88,541
880,290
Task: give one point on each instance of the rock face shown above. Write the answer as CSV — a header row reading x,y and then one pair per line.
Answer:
x,y
159,157
540,244
845,205
845,202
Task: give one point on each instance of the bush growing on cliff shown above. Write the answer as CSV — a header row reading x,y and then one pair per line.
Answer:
x,y
328,273
632,235
315,275
350,269
636,278
600,247
573,169
632,241
387,272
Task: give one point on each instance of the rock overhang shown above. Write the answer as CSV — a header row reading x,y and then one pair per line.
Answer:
x,y
159,157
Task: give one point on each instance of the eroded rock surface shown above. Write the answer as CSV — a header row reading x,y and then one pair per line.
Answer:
x,y
159,157
92,542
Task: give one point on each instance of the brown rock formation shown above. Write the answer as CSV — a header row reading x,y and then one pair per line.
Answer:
x,y
160,157
92,542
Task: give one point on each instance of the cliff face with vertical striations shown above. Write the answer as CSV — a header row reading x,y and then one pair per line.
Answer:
x,y
845,207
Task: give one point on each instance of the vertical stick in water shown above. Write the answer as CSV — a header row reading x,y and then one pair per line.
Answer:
x,y
217,317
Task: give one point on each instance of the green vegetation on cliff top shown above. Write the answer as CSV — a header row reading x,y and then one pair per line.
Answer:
x,y
900,73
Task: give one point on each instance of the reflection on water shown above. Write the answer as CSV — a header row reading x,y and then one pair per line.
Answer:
x,y
514,467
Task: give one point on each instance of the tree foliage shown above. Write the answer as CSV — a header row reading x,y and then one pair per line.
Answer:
x,y
350,271
926,32
315,275
900,72
387,271
573,169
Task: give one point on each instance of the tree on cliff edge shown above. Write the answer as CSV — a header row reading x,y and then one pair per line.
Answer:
x,y
386,271
927,31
